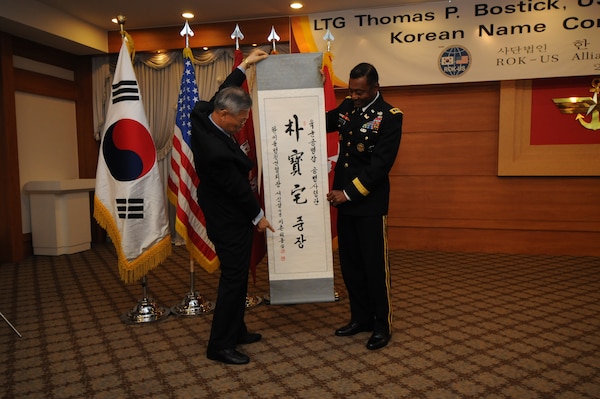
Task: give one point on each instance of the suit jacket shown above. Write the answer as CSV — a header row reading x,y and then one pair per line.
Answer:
x,y
369,144
224,191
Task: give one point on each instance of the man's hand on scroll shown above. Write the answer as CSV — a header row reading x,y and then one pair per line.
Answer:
x,y
263,224
255,56
336,197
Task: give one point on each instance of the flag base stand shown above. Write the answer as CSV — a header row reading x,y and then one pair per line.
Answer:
x,y
252,301
192,305
146,310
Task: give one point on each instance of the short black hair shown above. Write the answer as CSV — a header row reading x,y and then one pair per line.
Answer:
x,y
368,70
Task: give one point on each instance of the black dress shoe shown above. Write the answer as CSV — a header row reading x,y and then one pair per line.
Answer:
x,y
249,338
352,328
229,356
378,340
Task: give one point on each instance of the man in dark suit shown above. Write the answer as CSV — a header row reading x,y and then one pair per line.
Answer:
x,y
370,131
230,207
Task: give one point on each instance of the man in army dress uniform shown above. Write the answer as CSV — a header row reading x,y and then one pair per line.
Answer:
x,y
370,130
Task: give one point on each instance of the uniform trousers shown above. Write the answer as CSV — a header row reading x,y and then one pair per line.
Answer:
x,y
364,262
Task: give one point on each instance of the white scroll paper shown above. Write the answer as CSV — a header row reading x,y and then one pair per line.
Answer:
x,y
290,105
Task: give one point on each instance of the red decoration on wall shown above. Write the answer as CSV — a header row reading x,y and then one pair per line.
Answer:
x,y
548,125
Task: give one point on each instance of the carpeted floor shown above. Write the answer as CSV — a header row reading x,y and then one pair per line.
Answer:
x,y
465,326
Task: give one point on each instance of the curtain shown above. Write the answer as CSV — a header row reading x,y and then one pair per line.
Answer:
x,y
159,78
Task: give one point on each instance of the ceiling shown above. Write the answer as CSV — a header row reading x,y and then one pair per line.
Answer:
x,y
78,26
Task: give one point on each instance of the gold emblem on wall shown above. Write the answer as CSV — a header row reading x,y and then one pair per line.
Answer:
x,y
581,106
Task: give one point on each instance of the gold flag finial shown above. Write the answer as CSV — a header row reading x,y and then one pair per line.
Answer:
x,y
121,19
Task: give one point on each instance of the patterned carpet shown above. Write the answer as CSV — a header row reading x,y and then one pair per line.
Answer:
x,y
465,326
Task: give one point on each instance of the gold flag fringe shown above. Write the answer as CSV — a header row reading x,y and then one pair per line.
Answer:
x,y
328,62
147,261
209,265
130,45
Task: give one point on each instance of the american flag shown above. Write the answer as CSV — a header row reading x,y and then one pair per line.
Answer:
x,y
183,180
463,60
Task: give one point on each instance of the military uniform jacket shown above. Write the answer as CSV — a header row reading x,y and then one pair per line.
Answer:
x,y
224,191
369,143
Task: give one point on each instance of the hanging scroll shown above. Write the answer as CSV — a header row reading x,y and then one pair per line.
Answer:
x,y
290,105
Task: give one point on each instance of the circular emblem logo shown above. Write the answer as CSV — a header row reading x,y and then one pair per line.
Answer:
x,y
454,61
128,150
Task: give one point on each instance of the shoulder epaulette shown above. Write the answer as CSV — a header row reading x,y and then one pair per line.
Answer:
x,y
395,111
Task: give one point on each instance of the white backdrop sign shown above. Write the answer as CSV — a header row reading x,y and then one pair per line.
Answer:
x,y
460,41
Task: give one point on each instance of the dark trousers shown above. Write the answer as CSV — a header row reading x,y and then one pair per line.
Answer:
x,y
365,268
233,248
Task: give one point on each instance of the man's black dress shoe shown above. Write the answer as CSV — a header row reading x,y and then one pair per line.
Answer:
x,y
249,338
352,328
229,356
378,340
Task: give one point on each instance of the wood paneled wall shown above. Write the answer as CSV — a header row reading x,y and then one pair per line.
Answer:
x,y
14,245
11,241
446,194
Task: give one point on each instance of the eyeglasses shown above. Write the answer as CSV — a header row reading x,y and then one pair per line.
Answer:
x,y
240,118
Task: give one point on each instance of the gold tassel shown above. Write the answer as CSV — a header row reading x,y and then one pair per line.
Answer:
x,y
328,62
130,45
147,261
209,265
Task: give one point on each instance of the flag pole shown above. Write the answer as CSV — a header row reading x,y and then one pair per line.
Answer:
x,y
11,326
146,309
327,59
192,304
237,35
273,37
